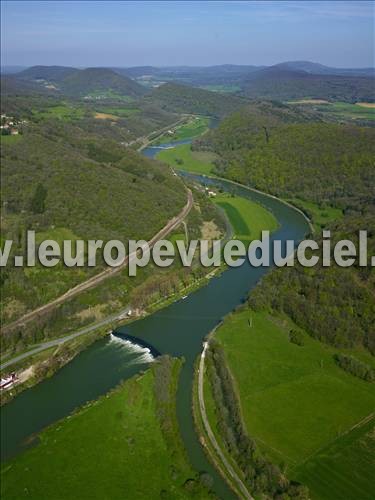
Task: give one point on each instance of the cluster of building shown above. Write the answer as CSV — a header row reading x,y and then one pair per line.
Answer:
x,y
95,97
8,381
10,125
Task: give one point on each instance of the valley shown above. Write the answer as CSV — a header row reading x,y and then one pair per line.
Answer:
x,y
108,158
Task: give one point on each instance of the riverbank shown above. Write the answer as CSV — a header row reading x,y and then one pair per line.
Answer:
x,y
47,363
125,436
55,356
206,429
184,159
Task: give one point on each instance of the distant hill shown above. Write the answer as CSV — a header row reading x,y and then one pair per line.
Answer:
x,y
223,74
137,71
284,81
220,69
89,80
10,70
320,69
10,85
53,74
81,82
281,82
183,99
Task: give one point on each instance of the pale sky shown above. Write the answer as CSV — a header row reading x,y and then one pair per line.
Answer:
x,y
338,33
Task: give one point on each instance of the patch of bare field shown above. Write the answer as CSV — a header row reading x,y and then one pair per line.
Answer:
x,y
96,312
309,101
106,116
25,374
13,309
366,104
210,231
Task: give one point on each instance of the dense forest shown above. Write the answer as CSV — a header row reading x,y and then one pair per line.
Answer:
x,y
288,154
183,99
335,305
95,187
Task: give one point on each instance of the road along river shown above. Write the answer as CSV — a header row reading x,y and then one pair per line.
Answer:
x,y
177,330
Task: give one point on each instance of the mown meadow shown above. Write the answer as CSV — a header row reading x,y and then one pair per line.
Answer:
x,y
248,219
299,406
183,158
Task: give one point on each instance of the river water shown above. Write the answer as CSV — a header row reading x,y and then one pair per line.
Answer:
x,y
178,330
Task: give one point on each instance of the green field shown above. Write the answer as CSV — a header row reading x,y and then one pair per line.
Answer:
x,y
193,128
183,158
226,89
320,216
10,139
124,445
118,111
348,111
340,110
110,94
298,404
352,458
247,218
61,112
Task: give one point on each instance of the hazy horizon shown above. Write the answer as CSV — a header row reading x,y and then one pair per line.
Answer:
x,y
127,34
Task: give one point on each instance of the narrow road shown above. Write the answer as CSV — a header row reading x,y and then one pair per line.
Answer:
x,y
229,469
99,278
56,342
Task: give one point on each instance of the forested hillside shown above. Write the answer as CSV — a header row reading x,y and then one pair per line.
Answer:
x,y
81,82
109,117
183,99
335,305
67,182
318,162
283,83
96,187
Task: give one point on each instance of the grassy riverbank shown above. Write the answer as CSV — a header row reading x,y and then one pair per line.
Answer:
x,y
126,444
247,218
183,158
299,406
44,364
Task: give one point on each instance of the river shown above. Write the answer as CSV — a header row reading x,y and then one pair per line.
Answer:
x,y
178,330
